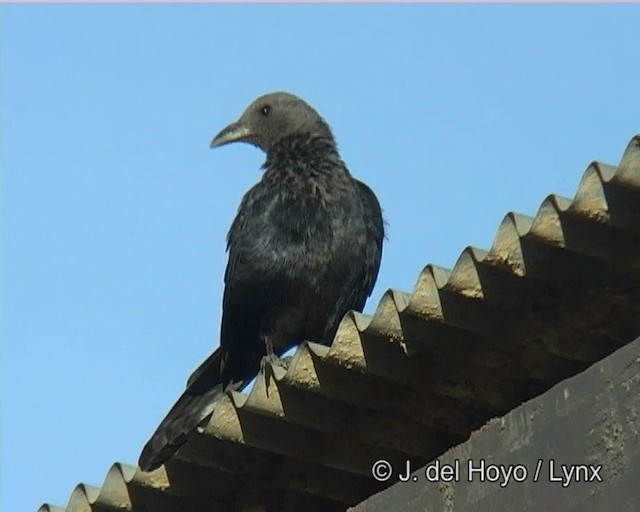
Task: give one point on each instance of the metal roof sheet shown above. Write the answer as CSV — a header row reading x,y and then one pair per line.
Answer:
x,y
554,294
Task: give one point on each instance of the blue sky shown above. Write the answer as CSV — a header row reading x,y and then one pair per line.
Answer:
x,y
114,210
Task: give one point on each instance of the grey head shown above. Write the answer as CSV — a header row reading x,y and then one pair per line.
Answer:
x,y
271,118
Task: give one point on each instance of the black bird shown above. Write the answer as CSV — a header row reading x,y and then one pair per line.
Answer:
x,y
304,249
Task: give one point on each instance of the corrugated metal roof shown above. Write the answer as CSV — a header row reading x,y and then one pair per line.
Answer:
x,y
554,294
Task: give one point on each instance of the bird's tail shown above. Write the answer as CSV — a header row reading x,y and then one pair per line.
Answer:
x,y
204,390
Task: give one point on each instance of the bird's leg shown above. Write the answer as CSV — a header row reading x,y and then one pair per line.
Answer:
x,y
270,356
268,345
271,359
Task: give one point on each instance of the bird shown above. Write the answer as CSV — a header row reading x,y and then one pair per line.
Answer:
x,y
304,249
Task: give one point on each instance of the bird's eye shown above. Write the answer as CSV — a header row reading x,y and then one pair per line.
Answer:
x,y
265,110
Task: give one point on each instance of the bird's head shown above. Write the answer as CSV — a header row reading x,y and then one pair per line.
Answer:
x,y
271,118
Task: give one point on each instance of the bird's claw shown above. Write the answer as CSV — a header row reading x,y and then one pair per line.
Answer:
x,y
267,363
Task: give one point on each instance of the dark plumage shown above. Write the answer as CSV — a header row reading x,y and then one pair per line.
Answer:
x,y
304,249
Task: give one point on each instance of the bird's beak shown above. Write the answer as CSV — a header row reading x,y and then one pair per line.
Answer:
x,y
235,132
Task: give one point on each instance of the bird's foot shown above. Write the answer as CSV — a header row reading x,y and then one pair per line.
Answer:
x,y
270,362
269,359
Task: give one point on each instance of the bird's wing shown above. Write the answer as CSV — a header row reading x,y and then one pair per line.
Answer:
x,y
356,286
375,235
244,237
237,227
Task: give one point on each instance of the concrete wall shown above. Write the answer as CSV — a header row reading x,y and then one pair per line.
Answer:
x,y
574,448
